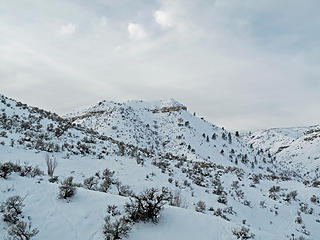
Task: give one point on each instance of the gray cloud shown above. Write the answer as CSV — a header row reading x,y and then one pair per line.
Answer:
x,y
241,64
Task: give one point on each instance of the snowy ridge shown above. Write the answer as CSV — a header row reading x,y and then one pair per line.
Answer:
x,y
296,147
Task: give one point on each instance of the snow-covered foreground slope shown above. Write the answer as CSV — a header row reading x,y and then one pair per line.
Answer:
x,y
240,186
82,217
299,148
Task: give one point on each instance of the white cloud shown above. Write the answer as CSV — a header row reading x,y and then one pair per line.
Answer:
x,y
136,31
163,18
67,29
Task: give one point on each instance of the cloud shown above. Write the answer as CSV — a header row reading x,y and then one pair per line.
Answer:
x,y
163,18
240,64
67,29
136,31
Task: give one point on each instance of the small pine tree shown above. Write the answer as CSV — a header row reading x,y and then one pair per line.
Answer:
x,y
229,138
214,136
224,137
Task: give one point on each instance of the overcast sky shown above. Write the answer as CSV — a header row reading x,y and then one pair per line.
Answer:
x,y
242,64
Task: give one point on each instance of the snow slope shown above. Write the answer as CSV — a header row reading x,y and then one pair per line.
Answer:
x,y
299,148
241,186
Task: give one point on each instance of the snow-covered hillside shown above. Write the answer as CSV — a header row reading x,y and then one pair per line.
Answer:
x,y
219,183
167,128
299,148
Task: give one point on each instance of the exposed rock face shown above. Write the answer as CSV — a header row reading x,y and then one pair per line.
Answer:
x,y
170,109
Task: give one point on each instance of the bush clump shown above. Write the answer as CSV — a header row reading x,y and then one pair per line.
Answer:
x,y
200,207
115,226
12,214
243,233
67,189
143,207
22,231
12,209
147,205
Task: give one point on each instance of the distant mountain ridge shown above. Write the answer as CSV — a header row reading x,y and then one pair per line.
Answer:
x,y
298,147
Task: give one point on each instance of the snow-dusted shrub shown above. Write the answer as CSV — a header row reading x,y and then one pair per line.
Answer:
x,y
90,183
273,192
105,186
22,231
51,164
67,189
140,161
123,190
314,199
219,213
12,209
255,178
217,186
29,171
243,233
247,203
115,226
298,220
147,205
53,179
200,206
5,170
291,196
316,183
222,199
108,180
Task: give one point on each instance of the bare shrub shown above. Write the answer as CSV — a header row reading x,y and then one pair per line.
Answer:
x,y
314,199
222,199
12,209
5,170
108,180
53,179
123,190
200,206
291,196
22,231
115,226
91,183
29,171
51,164
243,233
147,205
67,189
